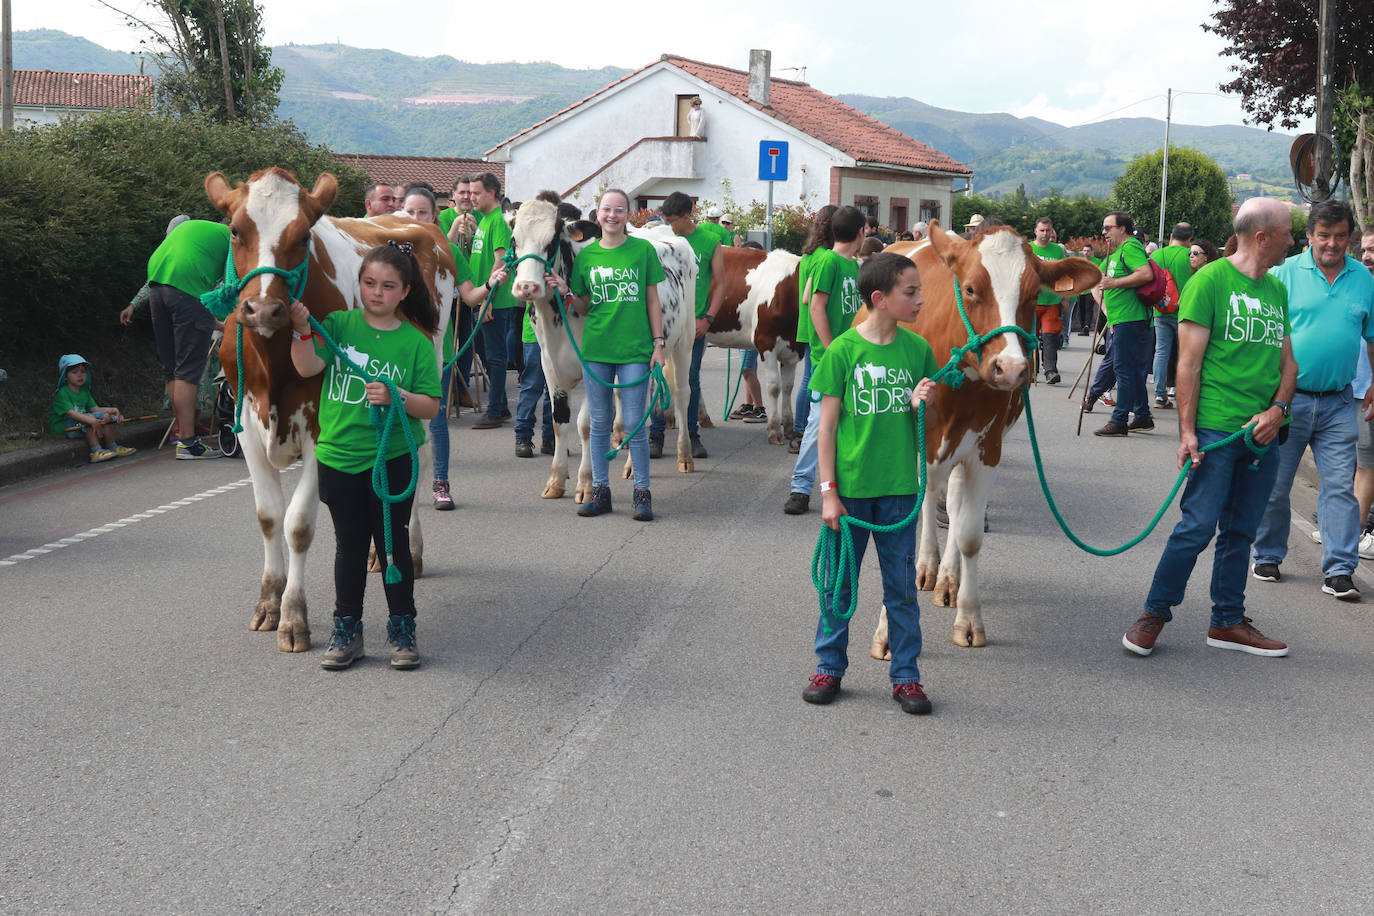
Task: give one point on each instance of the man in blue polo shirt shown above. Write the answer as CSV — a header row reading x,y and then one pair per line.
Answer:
x,y
1331,307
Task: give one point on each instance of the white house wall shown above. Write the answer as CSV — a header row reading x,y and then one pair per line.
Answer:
x,y
914,189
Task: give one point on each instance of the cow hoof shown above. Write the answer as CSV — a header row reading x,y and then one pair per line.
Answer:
x,y
293,636
374,565
947,593
704,421
670,421
925,578
775,438
685,465
629,471
880,651
980,638
967,637
265,616
582,493
553,491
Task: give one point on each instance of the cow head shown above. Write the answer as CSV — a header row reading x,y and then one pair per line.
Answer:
x,y
1000,279
538,229
270,217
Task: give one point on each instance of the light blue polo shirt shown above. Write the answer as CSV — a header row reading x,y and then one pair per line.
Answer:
x,y
1330,320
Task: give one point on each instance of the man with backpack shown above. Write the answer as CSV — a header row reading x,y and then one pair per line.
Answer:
x,y
1173,257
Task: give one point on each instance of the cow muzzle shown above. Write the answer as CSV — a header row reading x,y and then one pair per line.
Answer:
x,y
263,314
1006,371
527,290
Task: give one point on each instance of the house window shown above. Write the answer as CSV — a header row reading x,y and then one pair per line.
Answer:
x,y
683,127
930,209
897,208
867,203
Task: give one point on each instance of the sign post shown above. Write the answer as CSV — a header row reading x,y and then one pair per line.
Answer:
x,y
772,168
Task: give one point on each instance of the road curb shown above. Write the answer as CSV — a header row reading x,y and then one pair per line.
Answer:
x,y
63,453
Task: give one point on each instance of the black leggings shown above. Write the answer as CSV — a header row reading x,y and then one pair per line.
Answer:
x,y
357,515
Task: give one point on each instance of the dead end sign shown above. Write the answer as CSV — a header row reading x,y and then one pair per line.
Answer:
x,y
772,160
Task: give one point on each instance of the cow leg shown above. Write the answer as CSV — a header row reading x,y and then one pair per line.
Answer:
x,y
967,533
618,425
787,362
768,368
417,537
928,551
558,472
703,417
293,630
267,496
879,649
947,578
584,470
679,391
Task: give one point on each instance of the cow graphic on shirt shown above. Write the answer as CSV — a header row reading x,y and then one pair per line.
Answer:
x,y
614,284
348,387
1251,320
881,389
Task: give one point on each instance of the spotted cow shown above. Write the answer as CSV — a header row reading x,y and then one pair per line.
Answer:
x,y
274,222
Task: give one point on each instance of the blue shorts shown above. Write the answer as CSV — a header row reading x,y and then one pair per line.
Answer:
x,y
80,432
749,361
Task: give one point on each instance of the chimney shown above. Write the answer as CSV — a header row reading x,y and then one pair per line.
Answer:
x,y
760,63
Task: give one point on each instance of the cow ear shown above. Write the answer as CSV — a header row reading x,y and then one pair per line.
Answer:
x,y
1068,277
217,187
325,190
947,247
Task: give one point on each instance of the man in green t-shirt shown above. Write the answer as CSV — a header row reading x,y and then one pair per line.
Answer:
x,y
501,330
1126,268
1235,368
1049,308
1173,257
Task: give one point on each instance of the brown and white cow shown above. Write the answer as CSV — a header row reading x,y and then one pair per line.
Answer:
x,y
759,312
538,230
274,223
1000,279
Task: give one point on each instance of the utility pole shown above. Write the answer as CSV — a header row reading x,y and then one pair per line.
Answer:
x,y
7,66
1326,52
1164,178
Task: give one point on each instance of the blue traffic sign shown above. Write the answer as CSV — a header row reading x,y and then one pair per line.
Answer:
x,y
772,160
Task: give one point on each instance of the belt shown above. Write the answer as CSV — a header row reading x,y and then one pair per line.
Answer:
x,y
1320,394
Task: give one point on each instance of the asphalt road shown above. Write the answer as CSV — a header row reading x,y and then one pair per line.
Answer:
x,y
608,716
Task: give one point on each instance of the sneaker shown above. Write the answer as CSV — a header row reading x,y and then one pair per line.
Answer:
x,y
797,503
1111,429
1171,392
546,445
345,644
655,446
698,450
443,499
400,639
1052,378
103,454
1243,637
740,412
487,421
599,503
122,450
1366,547
1139,423
1108,400
524,448
1163,403
1342,587
912,698
643,504
756,415
1266,572
821,689
1316,535
195,450
1140,638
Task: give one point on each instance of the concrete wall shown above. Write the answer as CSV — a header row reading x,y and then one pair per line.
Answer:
x,y
885,187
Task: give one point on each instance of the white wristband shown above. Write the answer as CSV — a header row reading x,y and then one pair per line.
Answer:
x,y
827,486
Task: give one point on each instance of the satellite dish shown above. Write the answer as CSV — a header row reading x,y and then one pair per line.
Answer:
x,y
1302,156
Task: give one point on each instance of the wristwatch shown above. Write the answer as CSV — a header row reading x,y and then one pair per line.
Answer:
x,y
1283,406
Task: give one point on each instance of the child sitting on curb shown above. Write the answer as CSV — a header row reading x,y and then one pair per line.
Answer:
x,y
73,403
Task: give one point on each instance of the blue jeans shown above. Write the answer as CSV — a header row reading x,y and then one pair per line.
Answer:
x,y
808,456
802,411
531,387
1225,495
1330,425
1105,379
465,315
1166,334
601,403
659,421
748,360
494,335
1131,340
438,429
897,563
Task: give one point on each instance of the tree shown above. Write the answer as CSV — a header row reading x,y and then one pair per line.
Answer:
x,y
1276,42
1198,192
213,60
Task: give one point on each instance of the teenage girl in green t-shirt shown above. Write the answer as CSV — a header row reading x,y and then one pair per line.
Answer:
x,y
382,335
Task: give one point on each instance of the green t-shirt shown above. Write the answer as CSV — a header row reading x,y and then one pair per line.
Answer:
x,y
1124,304
526,328
838,277
1051,252
1174,259
1248,320
617,279
348,441
64,400
723,235
704,243
875,441
491,236
192,258
803,311
461,275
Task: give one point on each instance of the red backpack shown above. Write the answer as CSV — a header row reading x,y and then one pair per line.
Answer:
x,y
1168,303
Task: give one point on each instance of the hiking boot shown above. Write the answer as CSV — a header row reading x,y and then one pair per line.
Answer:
x,y
487,421
194,450
1140,638
797,503
1138,423
794,445
1052,378
1111,429
400,639
756,415
103,454
1342,587
524,448
655,446
698,450
1243,637
644,505
122,450
913,699
1088,405
1266,572
345,644
443,500
821,689
599,503
546,446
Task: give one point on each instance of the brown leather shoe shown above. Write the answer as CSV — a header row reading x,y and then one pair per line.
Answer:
x,y
1140,638
1111,429
487,421
1243,637
1139,423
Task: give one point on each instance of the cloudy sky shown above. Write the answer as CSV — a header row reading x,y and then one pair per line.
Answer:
x,y
993,55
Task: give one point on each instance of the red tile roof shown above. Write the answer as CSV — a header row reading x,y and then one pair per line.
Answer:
x,y
438,173
57,89
810,111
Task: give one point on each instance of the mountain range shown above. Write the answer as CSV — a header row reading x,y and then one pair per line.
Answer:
x,y
381,102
